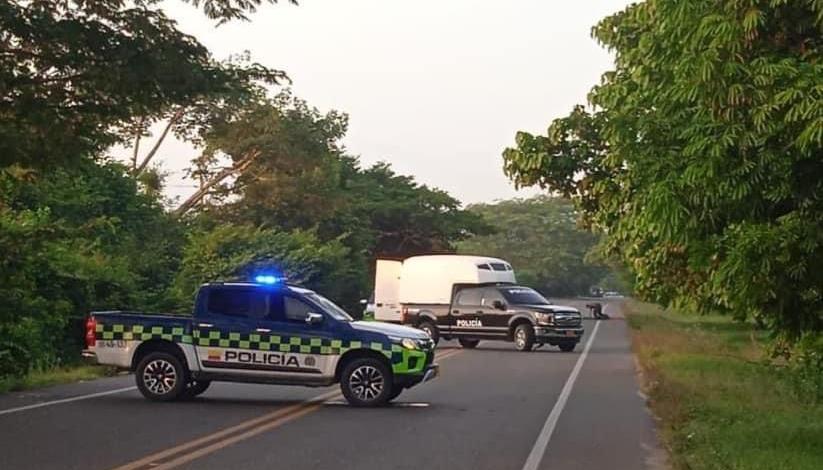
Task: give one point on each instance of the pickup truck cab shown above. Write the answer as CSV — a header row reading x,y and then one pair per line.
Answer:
x,y
261,333
498,311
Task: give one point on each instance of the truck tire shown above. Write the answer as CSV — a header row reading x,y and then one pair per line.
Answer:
x,y
366,382
468,343
430,329
195,388
567,347
524,337
161,376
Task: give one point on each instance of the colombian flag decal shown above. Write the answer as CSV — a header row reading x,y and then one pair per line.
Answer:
x,y
214,355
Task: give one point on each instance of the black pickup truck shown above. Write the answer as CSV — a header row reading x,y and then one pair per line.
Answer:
x,y
504,312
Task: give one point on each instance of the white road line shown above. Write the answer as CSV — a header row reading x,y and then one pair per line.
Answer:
x,y
66,400
536,455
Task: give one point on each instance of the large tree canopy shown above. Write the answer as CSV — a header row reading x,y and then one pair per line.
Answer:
x,y
702,160
75,73
297,176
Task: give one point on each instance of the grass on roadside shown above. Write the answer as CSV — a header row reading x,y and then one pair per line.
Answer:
x,y
722,406
61,375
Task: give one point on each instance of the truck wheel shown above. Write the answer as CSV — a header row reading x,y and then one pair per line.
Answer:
x,y
195,388
468,343
161,376
567,347
431,330
366,382
524,337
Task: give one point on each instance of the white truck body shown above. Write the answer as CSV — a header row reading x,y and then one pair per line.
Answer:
x,y
429,279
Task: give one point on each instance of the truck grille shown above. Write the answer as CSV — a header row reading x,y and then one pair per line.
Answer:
x,y
566,320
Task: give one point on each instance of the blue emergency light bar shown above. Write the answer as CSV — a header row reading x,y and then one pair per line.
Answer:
x,y
267,279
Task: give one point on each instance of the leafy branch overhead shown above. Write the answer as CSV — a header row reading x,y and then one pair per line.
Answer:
x,y
79,76
702,157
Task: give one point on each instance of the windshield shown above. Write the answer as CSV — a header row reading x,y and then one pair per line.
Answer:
x,y
523,296
330,307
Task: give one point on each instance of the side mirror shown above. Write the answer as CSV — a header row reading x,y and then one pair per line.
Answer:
x,y
313,318
499,305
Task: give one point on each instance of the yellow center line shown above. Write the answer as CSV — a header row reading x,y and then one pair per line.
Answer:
x,y
176,456
225,432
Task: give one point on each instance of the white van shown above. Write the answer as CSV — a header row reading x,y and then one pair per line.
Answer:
x,y
429,279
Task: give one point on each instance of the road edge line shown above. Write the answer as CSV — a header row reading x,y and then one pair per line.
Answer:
x,y
65,400
542,442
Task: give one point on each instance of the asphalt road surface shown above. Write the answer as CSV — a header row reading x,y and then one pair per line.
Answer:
x,y
491,408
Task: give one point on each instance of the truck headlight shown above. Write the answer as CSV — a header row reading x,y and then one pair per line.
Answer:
x,y
545,318
408,343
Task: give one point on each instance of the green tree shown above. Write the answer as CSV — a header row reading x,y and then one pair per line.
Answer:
x,y
76,240
702,158
77,75
540,237
238,252
296,175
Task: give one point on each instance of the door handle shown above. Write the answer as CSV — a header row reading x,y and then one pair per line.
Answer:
x,y
456,311
205,325
263,330
479,311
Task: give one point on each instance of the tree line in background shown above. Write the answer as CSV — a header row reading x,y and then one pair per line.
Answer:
x,y
541,239
700,159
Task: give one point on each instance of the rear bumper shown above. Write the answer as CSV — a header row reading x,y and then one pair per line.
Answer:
x,y
410,380
551,334
89,356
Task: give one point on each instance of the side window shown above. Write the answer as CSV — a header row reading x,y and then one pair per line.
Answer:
x,y
240,303
295,309
490,295
469,297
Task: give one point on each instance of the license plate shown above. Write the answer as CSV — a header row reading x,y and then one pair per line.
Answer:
x,y
571,333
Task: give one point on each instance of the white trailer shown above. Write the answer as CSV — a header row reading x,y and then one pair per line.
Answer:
x,y
429,279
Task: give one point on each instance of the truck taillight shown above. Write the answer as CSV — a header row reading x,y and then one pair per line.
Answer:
x,y
91,327
404,312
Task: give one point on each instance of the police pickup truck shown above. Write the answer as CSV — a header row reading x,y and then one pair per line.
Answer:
x,y
261,332
497,311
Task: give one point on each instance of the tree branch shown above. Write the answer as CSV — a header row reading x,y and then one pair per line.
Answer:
x,y
198,196
137,145
176,117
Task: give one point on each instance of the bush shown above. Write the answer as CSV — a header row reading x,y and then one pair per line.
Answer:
x,y
806,368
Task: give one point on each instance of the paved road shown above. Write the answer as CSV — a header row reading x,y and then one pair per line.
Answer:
x,y
492,408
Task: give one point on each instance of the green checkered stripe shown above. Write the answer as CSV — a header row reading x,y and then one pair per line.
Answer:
x,y
115,331
291,344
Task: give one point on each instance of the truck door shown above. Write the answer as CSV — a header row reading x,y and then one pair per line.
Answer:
x,y
495,312
225,331
301,349
467,311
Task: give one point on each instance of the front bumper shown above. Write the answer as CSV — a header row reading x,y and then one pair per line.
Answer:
x,y
410,380
556,334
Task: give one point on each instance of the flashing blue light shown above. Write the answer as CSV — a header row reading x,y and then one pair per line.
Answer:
x,y
266,279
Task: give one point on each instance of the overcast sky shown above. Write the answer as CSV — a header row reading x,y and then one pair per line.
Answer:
x,y
438,88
